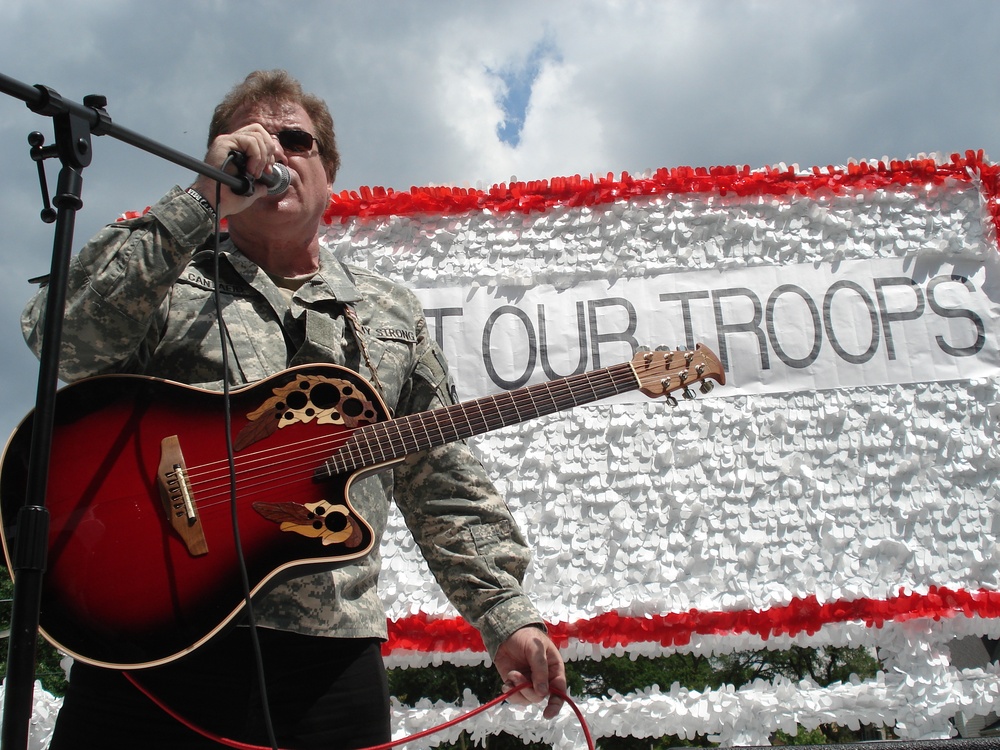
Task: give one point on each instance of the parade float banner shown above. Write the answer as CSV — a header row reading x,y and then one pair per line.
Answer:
x,y
840,489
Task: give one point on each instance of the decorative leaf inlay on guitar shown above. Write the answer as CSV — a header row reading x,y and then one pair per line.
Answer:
x,y
305,399
329,522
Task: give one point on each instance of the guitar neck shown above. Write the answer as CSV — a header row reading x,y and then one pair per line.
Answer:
x,y
389,441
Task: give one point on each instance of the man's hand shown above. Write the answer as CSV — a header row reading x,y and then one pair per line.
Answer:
x,y
529,655
257,145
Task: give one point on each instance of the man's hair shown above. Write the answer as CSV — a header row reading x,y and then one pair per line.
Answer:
x,y
277,86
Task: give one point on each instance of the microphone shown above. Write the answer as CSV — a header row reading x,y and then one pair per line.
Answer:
x,y
277,180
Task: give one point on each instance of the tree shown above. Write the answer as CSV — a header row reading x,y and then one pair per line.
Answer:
x,y
625,675
47,660
586,678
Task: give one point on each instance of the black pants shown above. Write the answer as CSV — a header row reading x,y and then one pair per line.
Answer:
x,y
324,693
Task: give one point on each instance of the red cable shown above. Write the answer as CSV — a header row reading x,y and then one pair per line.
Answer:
x,y
427,732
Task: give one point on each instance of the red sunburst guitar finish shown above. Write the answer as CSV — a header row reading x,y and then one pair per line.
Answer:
x,y
142,560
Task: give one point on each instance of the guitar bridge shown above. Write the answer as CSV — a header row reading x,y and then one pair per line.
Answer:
x,y
178,500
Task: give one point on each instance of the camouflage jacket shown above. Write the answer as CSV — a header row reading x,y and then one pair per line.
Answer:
x,y
141,300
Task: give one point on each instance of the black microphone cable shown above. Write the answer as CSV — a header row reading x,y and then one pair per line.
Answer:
x,y
231,458
233,506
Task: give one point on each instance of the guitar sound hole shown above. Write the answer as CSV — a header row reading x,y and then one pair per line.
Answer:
x,y
297,400
336,522
353,407
318,522
324,396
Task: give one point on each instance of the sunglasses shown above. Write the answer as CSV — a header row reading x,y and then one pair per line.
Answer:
x,y
295,141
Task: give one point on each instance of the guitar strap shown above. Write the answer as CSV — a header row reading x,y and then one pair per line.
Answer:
x,y
357,329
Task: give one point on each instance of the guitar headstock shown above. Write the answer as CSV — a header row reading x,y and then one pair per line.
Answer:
x,y
661,373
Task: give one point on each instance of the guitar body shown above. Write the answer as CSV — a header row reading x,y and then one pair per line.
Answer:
x,y
143,564
135,578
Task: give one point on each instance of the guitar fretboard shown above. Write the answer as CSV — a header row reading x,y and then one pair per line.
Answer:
x,y
389,441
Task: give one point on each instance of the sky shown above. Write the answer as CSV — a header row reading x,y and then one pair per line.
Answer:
x,y
474,93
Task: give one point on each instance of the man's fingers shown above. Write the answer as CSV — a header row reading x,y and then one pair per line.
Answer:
x,y
553,707
529,660
539,665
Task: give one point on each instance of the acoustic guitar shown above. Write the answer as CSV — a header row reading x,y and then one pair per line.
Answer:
x,y
142,558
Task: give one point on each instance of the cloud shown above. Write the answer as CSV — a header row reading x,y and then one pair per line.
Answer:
x,y
418,91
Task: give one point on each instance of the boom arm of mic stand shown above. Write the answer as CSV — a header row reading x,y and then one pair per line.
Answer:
x,y
45,101
74,124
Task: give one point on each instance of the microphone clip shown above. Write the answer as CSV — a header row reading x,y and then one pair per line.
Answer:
x,y
239,160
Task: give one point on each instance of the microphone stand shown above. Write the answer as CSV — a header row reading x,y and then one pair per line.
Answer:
x,y
73,125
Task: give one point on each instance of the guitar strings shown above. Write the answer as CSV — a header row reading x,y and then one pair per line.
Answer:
x,y
263,473
384,442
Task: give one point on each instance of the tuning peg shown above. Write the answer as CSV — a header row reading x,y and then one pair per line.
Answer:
x,y
688,394
706,386
671,401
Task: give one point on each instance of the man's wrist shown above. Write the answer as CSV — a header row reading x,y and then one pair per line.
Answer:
x,y
503,620
203,202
